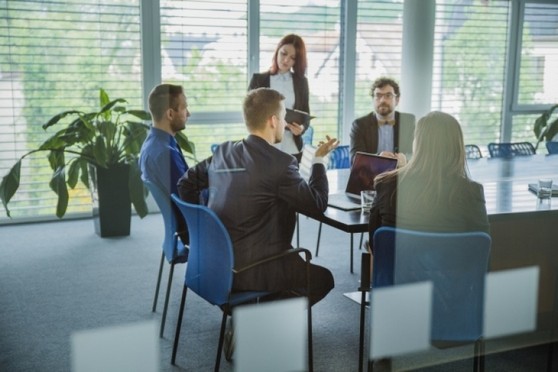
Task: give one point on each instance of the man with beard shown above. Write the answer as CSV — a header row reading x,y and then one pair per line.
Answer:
x,y
384,131
161,160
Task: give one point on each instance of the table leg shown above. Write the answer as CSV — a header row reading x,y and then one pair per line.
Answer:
x,y
352,253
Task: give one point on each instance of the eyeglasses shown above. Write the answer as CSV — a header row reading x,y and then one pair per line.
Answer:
x,y
387,96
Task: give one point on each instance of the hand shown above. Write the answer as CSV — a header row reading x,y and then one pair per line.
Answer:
x,y
295,128
326,147
401,158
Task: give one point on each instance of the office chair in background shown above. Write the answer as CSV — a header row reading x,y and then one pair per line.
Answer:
x,y
510,149
174,249
473,152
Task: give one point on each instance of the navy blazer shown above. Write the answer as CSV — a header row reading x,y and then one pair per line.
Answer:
x,y
364,134
301,92
255,189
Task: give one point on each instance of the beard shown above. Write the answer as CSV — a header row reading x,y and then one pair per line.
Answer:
x,y
384,110
178,125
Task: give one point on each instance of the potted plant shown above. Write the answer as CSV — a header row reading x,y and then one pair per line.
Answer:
x,y
101,150
545,130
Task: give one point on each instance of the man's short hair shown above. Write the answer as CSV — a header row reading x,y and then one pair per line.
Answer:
x,y
382,82
259,105
163,97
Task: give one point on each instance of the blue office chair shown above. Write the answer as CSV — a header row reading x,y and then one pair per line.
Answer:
x,y
211,270
456,264
214,147
472,152
552,147
340,158
510,149
308,135
174,249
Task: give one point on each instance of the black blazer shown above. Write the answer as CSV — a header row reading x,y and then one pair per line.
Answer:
x,y
462,209
255,189
364,134
301,92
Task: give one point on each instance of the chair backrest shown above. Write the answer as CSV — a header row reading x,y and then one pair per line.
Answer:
x,y
552,147
510,149
214,147
456,264
163,201
473,152
339,158
308,135
211,259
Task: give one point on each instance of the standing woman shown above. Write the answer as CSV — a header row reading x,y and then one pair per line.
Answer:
x,y
287,75
432,192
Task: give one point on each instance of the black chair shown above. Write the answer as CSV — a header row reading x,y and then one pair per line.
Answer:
x,y
211,271
552,147
456,264
510,149
174,250
473,152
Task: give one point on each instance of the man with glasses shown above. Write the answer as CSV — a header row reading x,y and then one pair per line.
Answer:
x,y
384,131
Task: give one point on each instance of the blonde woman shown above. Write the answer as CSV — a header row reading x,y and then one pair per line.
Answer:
x,y
432,192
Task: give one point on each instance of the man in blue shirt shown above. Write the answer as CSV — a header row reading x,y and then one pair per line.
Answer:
x,y
161,160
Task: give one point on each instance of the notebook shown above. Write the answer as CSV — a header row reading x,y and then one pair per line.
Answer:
x,y
363,171
533,187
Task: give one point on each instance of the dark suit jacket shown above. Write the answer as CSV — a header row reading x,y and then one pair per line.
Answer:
x,y
301,92
364,134
255,189
462,207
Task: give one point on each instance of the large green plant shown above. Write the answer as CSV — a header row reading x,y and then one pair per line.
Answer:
x,y
545,130
105,138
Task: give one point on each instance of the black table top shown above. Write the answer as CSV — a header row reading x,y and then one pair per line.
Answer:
x,y
505,184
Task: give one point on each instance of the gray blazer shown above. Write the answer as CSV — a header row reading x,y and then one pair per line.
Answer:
x,y
255,189
364,134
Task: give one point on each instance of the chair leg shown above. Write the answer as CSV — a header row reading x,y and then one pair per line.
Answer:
x,y
158,283
361,331
478,362
221,339
318,241
164,317
310,341
361,239
178,324
297,231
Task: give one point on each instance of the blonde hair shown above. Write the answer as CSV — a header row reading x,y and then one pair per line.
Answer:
x,y
438,154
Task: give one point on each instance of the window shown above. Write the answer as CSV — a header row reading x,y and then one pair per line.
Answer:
x,y
204,48
54,56
469,64
378,48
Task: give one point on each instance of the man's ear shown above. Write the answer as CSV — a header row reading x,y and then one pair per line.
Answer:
x,y
273,121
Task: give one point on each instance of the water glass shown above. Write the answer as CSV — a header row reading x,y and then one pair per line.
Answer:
x,y
545,188
366,200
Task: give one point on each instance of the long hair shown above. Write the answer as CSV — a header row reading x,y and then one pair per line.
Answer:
x,y
301,62
438,155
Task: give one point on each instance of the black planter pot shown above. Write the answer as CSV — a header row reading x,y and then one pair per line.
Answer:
x,y
111,200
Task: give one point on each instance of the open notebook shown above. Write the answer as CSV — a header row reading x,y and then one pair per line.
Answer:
x,y
363,171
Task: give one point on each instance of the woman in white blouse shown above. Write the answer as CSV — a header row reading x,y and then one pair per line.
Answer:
x,y
287,75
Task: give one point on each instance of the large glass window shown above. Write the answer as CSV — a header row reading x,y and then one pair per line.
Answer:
x,y
54,56
378,48
469,64
204,48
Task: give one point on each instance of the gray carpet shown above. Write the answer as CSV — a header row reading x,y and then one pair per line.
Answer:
x,y
59,277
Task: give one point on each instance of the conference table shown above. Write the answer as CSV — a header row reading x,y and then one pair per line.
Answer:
x,y
524,232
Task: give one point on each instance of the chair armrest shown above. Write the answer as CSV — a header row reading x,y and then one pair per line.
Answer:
x,y
307,254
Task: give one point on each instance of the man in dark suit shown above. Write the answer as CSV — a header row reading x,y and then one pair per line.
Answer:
x,y
384,131
255,189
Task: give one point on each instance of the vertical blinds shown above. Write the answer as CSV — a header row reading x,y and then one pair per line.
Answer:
x,y
54,56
